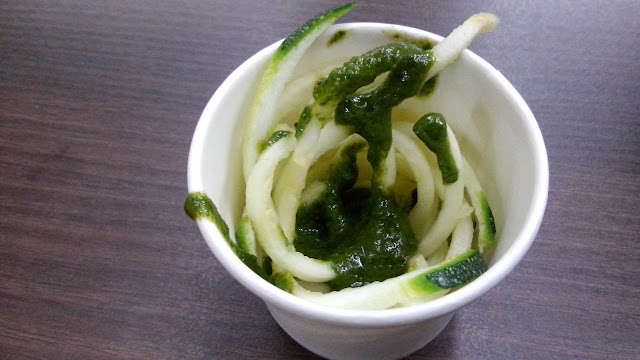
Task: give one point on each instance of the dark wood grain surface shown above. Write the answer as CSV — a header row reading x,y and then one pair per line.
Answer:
x,y
98,103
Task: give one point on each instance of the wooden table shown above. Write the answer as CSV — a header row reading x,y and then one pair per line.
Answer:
x,y
98,103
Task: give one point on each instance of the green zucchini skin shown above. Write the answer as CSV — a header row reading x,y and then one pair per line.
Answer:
x,y
312,25
415,286
482,211
277,73
450,274
487,235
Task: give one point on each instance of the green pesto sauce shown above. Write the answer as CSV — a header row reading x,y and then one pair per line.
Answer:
x,y
199,206
363,233
401,37
369,114
252,263
277,135
432,130
337,37
362,70
304,119
283,280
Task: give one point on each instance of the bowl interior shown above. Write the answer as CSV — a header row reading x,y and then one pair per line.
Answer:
x,y
495,128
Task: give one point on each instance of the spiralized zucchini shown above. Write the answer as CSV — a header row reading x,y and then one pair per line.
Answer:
x,y
448,216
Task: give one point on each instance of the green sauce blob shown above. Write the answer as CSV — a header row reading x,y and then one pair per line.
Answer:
x,y
432,130
401,37
369,114
304,119
199,206
362,70
364,234
377,246
337,37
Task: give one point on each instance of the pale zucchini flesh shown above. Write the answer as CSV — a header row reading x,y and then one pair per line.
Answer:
x,y
262,214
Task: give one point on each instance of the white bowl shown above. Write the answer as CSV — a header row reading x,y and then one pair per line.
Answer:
x,y
497,133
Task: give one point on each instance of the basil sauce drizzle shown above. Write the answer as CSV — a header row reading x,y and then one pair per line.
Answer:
x,y
363,232
432,130
199,206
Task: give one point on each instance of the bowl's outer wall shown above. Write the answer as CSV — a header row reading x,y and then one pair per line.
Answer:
x,y
351,343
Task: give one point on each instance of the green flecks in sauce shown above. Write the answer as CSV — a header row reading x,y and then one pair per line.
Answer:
x,y
274,138
337,37
304,119
199,206
432,130
401,37
362,232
